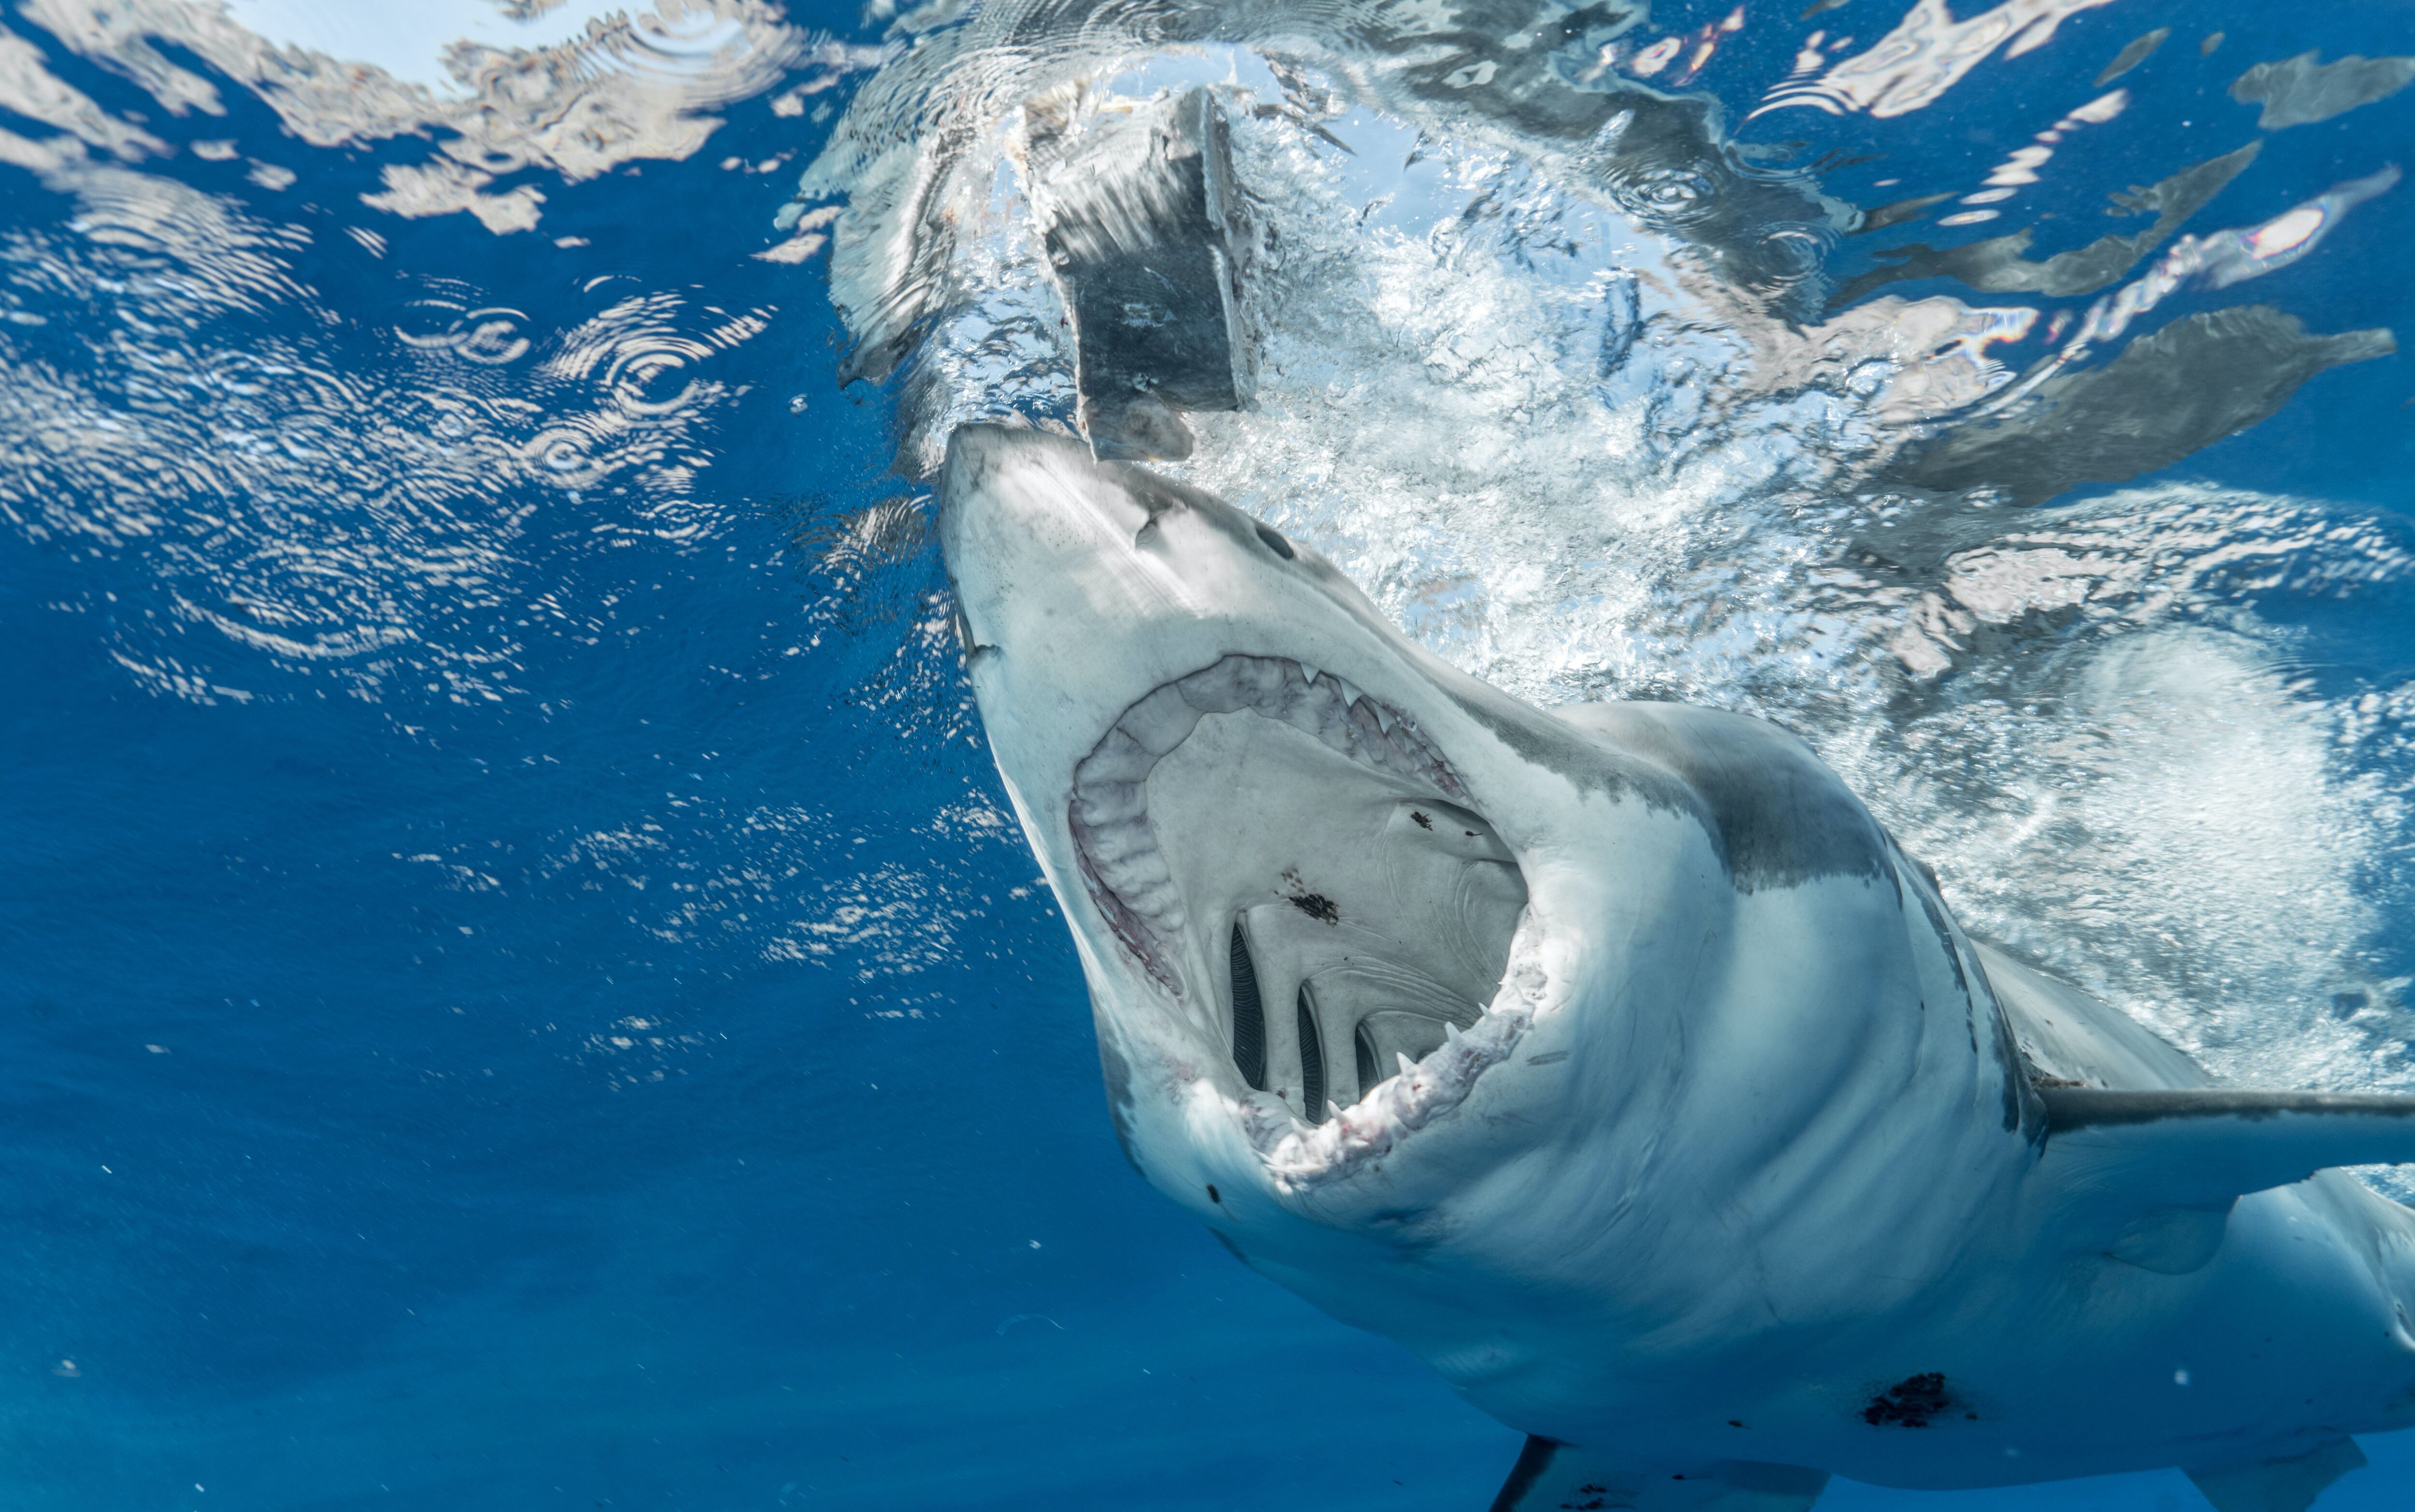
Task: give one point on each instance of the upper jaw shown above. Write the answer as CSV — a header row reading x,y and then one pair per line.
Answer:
x,y
1084,586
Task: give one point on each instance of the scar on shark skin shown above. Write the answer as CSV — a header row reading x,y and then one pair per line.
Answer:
x,y
1318,907
1910,1401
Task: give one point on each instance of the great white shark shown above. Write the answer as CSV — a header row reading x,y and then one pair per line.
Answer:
x,y
1616,1061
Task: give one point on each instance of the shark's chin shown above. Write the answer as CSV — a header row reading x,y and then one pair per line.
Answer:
x,y
1348,950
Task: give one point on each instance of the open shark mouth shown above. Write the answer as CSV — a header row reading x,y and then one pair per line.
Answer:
x,y
1387,996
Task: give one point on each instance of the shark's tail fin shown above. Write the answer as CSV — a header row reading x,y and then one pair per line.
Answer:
x,y
2288,1485
1562,1477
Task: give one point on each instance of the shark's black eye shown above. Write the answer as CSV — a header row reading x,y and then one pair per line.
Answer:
x,y
1275,543
1312,1059
1248,1015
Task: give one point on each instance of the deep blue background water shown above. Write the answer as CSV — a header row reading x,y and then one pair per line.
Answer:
x,y
663,1084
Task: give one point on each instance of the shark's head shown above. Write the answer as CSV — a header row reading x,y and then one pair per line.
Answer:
x,y
1369,942
1295,887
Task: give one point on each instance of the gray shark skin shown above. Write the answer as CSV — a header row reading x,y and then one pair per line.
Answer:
x,y
1618,1063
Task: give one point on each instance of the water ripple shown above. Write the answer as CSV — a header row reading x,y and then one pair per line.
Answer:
x,y
360,523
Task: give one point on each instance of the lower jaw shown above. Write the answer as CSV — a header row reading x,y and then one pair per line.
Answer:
x,y
1355,1138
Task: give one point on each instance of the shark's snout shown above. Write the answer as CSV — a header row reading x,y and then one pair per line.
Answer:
x,y
1022,515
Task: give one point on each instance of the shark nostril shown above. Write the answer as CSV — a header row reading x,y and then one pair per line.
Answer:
x,y
1248,1015
1312,1059
1275,543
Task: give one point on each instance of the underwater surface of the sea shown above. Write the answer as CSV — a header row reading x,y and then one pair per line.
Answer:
x,y
519,987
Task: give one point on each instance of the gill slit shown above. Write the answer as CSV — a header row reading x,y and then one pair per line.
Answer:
x,y
1249,1014
1312,1058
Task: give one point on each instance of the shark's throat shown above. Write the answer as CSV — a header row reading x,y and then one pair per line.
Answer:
x,y
1294,865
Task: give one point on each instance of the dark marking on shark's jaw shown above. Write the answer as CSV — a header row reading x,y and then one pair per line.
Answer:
x,y
1317,906
1783,818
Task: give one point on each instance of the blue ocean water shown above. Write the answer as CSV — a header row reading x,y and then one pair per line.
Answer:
x,y
522,987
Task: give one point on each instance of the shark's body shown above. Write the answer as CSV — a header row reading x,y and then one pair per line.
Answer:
x,y
1618,1063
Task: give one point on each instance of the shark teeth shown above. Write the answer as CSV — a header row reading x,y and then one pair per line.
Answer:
x,y
1121,866
1299,1156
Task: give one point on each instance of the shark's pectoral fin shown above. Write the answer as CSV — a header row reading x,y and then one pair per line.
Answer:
x,y
1563,1477
2288,1485
2201,1147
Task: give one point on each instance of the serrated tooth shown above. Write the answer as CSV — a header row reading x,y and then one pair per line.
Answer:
x,y
1350,693
1408,1067
1307,673
1449,1032
1374,745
